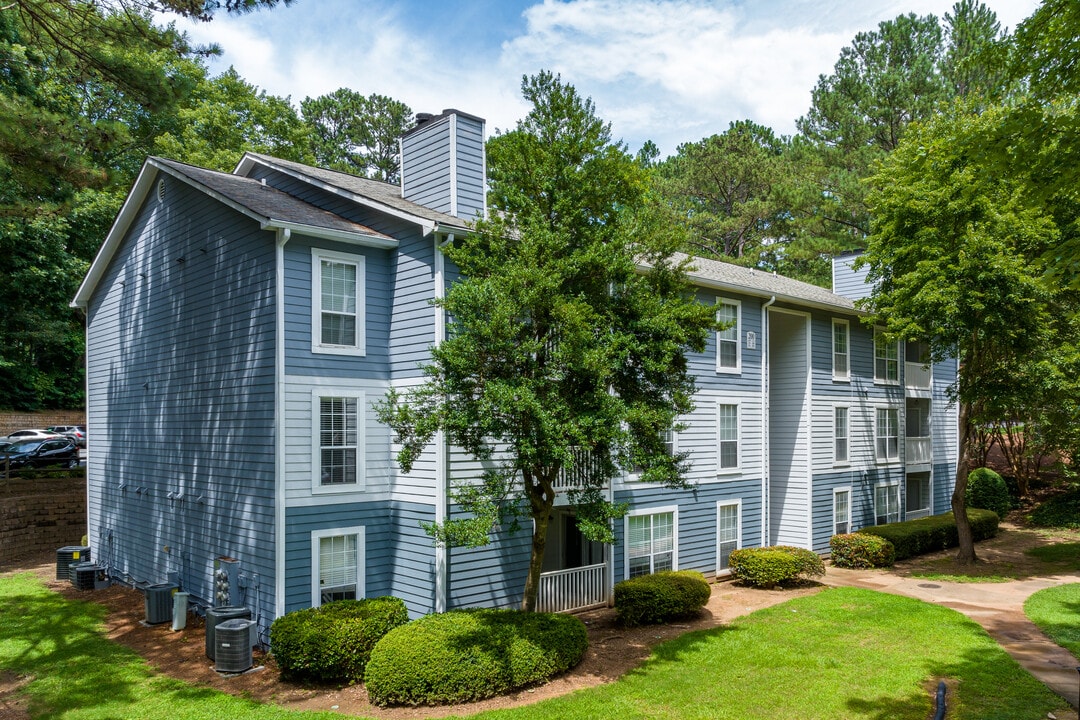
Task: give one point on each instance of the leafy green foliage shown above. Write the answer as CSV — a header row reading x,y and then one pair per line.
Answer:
x,y
467,655
1059,511
776,565
937,532
860,550
561,354
357,134
987,490
660,597
333,642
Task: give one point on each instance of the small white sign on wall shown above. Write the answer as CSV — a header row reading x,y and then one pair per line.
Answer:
x,y
751,340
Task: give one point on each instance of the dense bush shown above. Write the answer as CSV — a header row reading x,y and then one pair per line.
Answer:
x,y
466,655
333,643
776,565
937,532
987,490
859,550
661,597
1059,511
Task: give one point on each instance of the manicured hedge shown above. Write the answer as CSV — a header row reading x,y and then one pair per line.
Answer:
x,y
937,532
333,643
986,489
660,597
466,655
776,565
861,550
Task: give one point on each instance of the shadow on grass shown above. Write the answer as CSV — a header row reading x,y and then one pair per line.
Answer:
x,y
1016,553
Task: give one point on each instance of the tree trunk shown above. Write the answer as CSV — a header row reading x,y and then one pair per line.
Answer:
x,y
965,555
541,500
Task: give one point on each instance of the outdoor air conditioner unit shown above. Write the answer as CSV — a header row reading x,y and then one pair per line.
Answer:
x,y
89,576
159,603
66,556
218,615
232,646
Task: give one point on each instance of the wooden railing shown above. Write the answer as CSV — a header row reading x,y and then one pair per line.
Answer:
x,y
917,376
574,589
918,450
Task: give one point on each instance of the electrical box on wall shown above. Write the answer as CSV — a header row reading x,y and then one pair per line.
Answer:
x,y
226,582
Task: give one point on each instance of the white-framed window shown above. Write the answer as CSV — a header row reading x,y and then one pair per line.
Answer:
x,y
887,503
337,444
670,439
728,347
727,430
840,434
886,359
337,565
841,354
841,510
651,540
337,303
728,533
887,434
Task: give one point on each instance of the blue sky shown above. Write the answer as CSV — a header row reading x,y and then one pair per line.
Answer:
x,y
668,70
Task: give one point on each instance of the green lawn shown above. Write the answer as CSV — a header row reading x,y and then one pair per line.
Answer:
x,y
843,653
1056,611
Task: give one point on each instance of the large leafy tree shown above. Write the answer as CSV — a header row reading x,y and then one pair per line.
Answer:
x,y
563,355
357,134
954,255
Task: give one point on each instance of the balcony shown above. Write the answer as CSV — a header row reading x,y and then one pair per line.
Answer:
x,y
573,589
917,376
569,478
918,450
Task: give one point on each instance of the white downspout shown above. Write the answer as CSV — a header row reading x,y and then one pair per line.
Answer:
x,y
441,451
283,236
765,510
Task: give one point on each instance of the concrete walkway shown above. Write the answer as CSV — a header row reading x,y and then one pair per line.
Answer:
x,y
998,607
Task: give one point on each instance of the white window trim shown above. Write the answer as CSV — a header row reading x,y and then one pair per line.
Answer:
x,y
738,337
738,438
899,508
316,536
674,510
835,520
847,461
738,531
317,393
899,362
846,375
899,436
360,349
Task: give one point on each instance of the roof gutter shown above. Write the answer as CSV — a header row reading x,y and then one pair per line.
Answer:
x,y
353,238
775,297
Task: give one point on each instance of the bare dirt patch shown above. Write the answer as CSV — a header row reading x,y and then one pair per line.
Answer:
x,y
613,651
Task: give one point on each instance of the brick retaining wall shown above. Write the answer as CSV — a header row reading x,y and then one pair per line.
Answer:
x,y
40,515
12,421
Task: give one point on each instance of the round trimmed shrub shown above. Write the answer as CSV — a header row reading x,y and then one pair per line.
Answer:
x,y
777,565
660,597
987,490
859,550
333,643
467,655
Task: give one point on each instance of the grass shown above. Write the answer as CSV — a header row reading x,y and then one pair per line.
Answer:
x,y
843,654
1056,611
947,577
1065,555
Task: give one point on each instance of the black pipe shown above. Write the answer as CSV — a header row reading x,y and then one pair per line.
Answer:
x,y
939,714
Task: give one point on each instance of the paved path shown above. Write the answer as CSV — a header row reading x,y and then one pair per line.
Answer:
x,y
998,607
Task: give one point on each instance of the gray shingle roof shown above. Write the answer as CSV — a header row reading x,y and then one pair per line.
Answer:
x,y
266,201
714,273
383,193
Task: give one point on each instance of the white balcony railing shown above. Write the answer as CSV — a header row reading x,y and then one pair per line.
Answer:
x,y
918,450
575,475
916,514
574,589
917,376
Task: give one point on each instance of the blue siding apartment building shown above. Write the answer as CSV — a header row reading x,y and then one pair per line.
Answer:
x,y
240,326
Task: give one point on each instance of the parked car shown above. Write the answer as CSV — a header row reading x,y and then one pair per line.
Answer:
x,y
77,433
57,450
31,435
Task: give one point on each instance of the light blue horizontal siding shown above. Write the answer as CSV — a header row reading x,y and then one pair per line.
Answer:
x,y
470,168
425,165
944,480
492,575
703,365
412,556
180,378
847,281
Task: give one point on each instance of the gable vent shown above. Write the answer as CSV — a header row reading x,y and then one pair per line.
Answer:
x,y
161,190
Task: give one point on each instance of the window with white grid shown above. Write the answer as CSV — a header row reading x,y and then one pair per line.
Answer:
x,y
650,543
337,440
337,565
727,340
727,424
887,434
337,322
841,511
840,434
886,359
841,368
727,534
886,504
